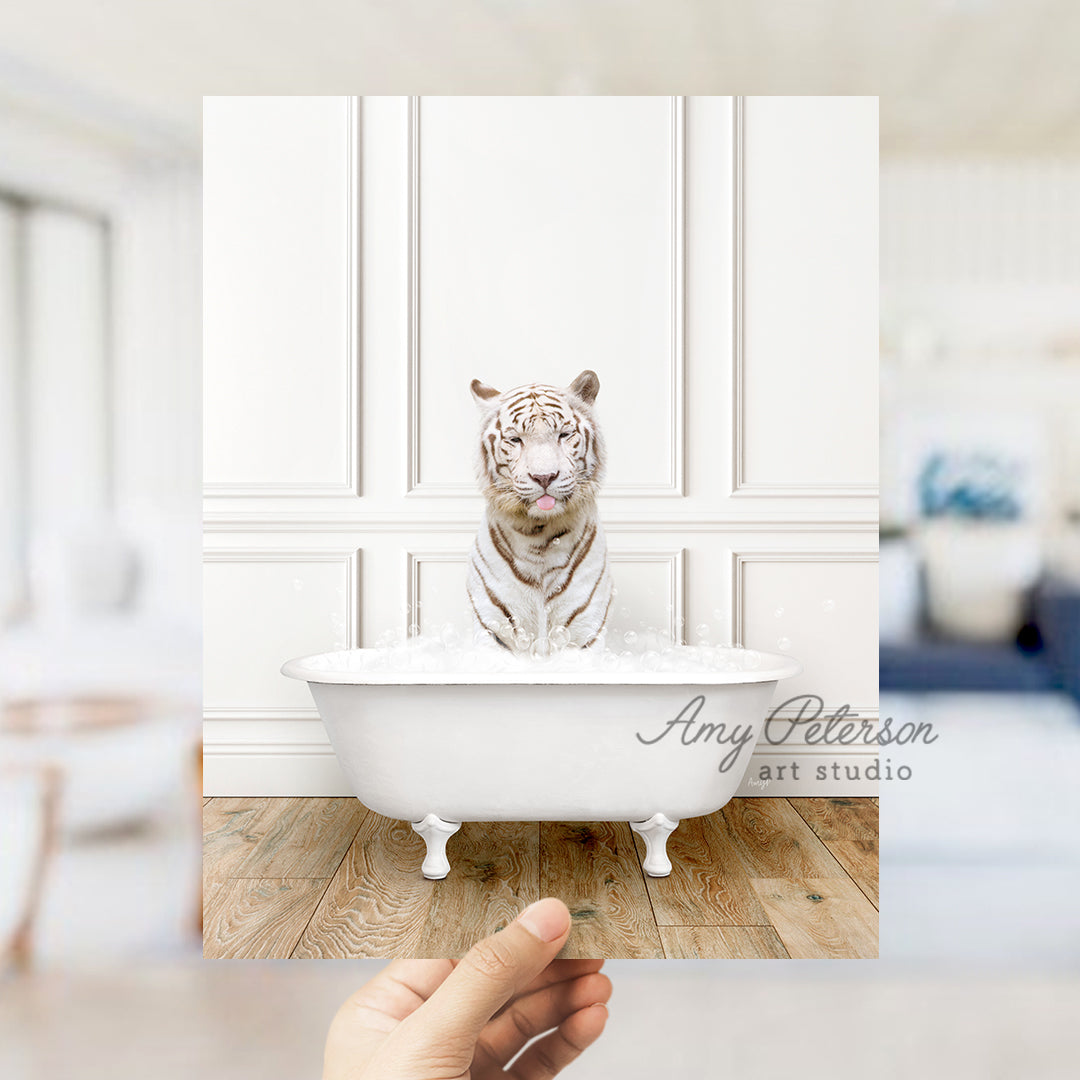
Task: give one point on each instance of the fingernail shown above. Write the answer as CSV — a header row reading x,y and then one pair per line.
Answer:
x,y
547,919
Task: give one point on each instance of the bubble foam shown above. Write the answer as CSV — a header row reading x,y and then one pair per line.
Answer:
x,y
450,653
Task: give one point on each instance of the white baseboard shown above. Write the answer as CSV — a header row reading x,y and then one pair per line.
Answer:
x,y
272,770
268,769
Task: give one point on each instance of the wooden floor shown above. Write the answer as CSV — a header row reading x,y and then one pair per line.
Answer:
x,y
760,879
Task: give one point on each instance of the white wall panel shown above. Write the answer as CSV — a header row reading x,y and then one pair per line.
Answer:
x,y
649,592
261,608
547,238
820,606
809,354
279,237
517,239
435,589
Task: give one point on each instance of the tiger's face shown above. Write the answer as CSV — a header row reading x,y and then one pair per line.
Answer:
x,y
541,453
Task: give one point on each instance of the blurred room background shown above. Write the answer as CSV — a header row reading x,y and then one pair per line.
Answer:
x,y
99,475
980,547
100,111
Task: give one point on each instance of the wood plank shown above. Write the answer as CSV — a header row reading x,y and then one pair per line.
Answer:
x,y
821,918
593,868
839,818
722,943
241,802
248,919
860,859
301,838
380,905
228,839
708,884
775,842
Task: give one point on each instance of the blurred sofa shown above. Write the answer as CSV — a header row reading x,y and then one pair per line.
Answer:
x,y
1044,657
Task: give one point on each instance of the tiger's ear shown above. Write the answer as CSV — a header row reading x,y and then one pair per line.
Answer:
x,y
586,386
482,394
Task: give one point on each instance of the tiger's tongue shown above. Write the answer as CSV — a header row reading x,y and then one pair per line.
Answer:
x,y
545,502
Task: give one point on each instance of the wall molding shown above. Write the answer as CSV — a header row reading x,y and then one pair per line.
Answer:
x,y
739,561
281,769
675,558
414,560
382,522
741,488
349,558
350,487
415,486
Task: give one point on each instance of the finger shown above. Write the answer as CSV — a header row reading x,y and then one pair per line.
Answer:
x,y
548,1056
396,992
557,971
489,974
532,1015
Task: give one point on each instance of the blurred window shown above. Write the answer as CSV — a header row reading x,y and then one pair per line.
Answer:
x,y
55,382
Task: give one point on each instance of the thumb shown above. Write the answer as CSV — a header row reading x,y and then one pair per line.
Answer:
x,y
489,975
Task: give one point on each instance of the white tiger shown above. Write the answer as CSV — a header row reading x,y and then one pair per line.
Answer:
x,y
540,558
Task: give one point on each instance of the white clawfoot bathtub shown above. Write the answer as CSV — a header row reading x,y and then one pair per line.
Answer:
x,y
440,748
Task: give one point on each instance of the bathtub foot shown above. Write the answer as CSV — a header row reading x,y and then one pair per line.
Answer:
x,y
436,832
655,832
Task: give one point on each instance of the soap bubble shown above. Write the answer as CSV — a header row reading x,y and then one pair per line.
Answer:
x,y
467,646
828,605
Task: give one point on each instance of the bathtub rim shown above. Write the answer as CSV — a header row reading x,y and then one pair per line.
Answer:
x,y
775,666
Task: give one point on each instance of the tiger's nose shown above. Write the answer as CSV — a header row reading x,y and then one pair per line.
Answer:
x,y
543,480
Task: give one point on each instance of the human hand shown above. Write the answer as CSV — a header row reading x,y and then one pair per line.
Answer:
x,y
465,1019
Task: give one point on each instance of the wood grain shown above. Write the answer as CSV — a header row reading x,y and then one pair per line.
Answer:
x,y
708,884
248,919
232,803
379,905
839,819
282,878
228,839
593,868
302,838
722,943
860,859
821,918
775,842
